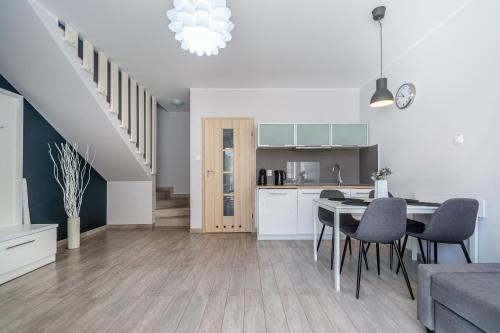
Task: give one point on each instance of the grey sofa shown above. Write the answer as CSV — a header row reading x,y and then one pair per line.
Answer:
x,y
459,298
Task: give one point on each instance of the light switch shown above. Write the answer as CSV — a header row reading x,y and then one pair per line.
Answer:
x,y
197,157
458,139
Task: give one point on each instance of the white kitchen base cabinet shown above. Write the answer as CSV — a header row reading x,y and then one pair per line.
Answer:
x,y
304,214
288,213
24,248
277,212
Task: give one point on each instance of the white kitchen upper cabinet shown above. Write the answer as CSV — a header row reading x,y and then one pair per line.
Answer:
x,y
276,135
277,212
350,135
313,135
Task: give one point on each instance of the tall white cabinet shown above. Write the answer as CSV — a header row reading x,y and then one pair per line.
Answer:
x,y
23,248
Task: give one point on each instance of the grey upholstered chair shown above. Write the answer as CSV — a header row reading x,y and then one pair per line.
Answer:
x,y
452,223
384,221
410,224
327,218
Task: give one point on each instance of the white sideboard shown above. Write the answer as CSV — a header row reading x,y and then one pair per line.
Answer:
x,y
286,213
24,248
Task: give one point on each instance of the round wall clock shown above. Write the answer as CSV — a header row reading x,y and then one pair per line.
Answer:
x,y
405,95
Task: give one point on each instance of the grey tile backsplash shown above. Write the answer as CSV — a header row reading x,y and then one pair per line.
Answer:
x,y
356,164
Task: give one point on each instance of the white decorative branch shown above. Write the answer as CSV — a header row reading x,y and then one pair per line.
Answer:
x,y
72,173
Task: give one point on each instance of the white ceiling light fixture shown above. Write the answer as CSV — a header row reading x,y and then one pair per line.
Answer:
x,y
202,26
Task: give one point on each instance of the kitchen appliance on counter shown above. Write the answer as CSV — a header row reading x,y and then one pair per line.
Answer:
x,y
262,180
279,177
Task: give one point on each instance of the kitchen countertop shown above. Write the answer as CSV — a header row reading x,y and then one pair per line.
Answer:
x,y
315,185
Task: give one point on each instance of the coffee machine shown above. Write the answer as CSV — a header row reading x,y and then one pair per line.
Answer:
x,y
262,180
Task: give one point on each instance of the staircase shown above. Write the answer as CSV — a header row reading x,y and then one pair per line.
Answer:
x,y
86,96
172,210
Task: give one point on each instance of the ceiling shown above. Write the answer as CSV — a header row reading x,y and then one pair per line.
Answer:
x,y
276,44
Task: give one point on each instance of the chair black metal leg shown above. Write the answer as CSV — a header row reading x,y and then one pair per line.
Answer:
x,y
332,253
364,254
435,252
350,250
466,253
367,247
391,255
360,262
347,241
422,250
377,247
429,260
404,270
320,236
402,252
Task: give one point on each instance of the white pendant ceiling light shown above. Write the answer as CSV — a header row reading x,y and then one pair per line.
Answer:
x,y
202,26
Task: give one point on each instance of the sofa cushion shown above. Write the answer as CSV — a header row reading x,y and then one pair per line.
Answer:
x,y
473,296
448,321
425,303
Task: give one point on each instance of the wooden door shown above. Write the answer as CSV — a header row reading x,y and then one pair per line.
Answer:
x,y
228,174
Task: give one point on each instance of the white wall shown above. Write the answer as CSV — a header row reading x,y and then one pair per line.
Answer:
x,y
130,203
173,151
265,105
456,71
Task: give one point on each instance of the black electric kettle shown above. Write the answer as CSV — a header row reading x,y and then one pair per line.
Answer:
x,y
279,177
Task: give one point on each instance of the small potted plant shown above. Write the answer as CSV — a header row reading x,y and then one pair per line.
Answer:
x,y
72,173
380,179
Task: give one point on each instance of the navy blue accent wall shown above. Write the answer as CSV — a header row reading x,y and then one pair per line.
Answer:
x,y
45,196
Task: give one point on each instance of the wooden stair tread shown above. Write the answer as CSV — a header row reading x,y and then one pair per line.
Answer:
x,y
172,212
177,221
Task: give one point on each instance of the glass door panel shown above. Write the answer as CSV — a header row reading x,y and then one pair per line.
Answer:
x,y
228,205
228,160
228,171
313,134
276,134
349,134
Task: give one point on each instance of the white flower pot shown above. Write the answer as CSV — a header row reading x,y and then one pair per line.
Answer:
x,y
381,189
73,233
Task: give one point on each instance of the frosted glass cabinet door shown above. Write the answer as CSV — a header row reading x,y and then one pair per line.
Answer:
x,y
276,134
313,134
349,134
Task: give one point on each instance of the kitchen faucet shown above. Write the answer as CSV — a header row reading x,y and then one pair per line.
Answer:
x,y
336,168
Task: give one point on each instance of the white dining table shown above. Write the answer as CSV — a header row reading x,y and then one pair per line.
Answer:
x,y
337,207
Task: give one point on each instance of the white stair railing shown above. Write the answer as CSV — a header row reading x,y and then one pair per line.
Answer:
x,y
135,106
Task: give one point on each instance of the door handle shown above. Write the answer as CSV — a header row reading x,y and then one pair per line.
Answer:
x,y
277,193
209,172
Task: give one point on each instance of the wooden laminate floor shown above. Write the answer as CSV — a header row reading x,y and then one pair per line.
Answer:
x,y
159,280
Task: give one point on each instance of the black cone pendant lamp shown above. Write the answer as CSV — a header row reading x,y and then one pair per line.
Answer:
x,y
382,95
